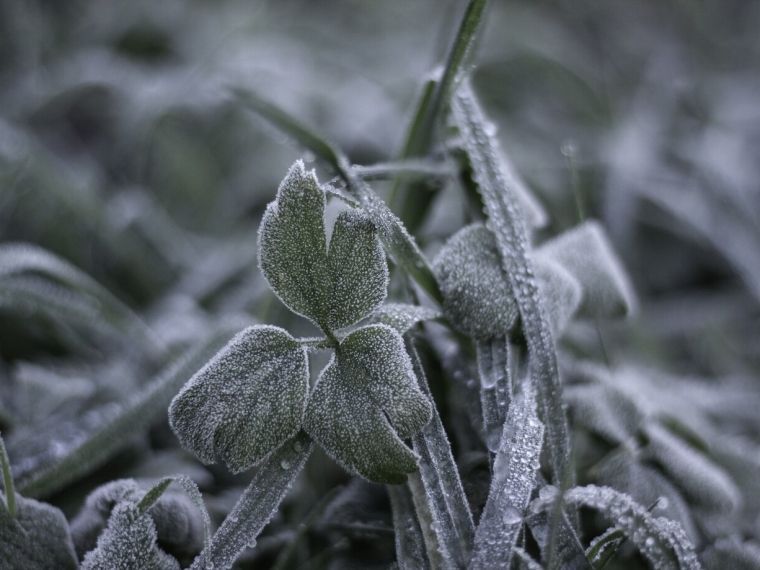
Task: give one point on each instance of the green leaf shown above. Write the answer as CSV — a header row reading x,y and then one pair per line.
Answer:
x,y
246,401
478,298
364,402
336,287
357,270
398,242
403,316
179,528
586,253
37,537
129,542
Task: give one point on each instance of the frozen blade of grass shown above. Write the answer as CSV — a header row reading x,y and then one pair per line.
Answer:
x,y
566,549
256,505
661,541
438,471
10,491
410,544
408,168
514,477
394,236
413,200
403,316
603,547
192,491
131,419
18,259
526,559
508,225
494,369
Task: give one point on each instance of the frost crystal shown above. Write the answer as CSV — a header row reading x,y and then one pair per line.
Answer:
x,y
333,287
246,401
365,401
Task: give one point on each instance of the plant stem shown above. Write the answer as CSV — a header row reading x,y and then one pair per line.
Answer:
x,y
10,491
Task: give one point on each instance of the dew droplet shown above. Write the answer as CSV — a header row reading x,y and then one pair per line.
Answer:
x,y
285,464
511,515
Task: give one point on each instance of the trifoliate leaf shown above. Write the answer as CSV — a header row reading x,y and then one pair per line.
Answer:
x,y
335,287
477,295
586,253
365,401
37,537
128,543
246,401
402,316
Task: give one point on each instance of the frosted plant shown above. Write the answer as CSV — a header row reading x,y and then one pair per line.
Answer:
x,y
136,521
252,396
32,534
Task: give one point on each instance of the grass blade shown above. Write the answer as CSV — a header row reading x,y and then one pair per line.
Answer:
x,y
514,477
10,491
120,428
508,225
256,506
438,471
410,544
413,200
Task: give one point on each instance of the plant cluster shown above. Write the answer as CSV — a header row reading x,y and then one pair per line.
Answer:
x,y
481,418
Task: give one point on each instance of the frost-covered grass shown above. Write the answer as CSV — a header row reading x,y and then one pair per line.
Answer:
x,y
379,285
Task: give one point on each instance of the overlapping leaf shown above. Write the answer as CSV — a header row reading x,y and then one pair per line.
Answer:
x,y
246,401
333,287
365,402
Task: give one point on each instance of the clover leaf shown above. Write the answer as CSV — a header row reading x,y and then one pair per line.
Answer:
x,y
246,401
333,287
477,296
365,401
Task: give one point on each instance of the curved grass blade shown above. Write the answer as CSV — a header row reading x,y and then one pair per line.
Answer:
x,y
514,477
120,428
21,259
661,541
396,239
438,471
256,506
508,225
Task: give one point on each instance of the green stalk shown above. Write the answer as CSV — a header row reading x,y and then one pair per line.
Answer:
x,y
10,491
